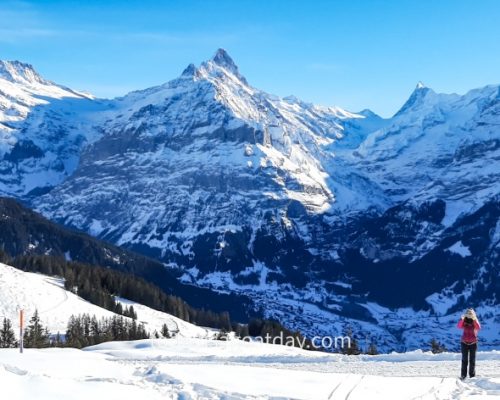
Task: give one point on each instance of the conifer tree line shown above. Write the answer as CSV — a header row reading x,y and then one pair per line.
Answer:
x,y
82,330
85,330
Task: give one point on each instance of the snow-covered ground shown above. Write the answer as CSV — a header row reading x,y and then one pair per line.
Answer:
x,y
29,291
186,368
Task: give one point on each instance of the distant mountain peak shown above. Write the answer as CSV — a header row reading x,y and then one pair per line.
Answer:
x,y
189,71
224,60
220,62
19,72
420,85
368,113
416,98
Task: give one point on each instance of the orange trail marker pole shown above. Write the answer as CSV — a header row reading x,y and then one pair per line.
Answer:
x,y
21,331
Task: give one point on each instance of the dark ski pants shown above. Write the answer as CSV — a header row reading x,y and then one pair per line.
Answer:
x,y
469,357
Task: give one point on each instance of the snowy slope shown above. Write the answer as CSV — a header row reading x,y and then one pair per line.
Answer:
x,y
154,320
42,129
29,291
200,369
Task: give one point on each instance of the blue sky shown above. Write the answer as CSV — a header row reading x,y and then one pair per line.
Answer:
x,y
354,54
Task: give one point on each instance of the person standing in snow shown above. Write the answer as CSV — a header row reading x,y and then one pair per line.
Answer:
x,y
470,324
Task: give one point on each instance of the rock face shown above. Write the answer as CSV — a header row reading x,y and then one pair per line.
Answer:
x,y
315,213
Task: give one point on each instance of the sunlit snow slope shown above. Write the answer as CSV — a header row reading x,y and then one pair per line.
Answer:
x,y
30,292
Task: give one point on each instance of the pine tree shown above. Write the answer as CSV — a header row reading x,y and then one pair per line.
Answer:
x,y
436,347
133,330
7,336
141,332
353,349
58,341
165,332
130,312
36,335
241,330
119,308
95,330
4,256
372,349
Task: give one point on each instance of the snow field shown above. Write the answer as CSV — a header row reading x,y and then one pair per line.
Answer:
x,y
186,368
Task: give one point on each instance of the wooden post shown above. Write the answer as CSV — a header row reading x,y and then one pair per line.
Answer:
x,y
21,331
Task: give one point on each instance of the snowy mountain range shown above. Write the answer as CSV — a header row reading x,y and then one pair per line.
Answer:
x,y
324,218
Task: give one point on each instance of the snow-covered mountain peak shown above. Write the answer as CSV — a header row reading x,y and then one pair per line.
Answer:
x,y
416,99
23,84
220,67
224,60
189,71
424,103
367,113
420,85
19,72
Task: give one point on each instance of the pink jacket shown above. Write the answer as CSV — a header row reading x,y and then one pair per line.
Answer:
x,y
470,331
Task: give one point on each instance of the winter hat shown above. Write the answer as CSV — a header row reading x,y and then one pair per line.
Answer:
x,y
470,313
